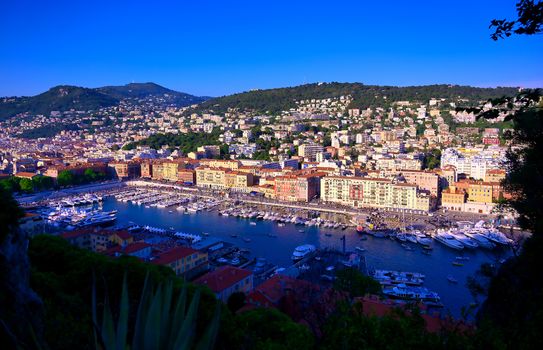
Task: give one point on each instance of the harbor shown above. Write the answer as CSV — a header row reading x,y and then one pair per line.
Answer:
x,y
266,239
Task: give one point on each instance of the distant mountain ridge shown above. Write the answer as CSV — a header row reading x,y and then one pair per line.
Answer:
x,y
67,97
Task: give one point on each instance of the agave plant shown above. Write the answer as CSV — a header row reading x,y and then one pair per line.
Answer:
x,y
159,323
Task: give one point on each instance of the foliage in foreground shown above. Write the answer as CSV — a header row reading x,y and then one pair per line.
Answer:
x,y
161,322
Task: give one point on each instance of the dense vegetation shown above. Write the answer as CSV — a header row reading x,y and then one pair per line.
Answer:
x,y
280,99
14,184
186,143
67,178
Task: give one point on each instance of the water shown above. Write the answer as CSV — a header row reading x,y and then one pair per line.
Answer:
x,y
381,253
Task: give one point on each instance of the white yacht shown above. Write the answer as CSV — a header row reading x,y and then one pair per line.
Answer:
x,y
448,240
302,251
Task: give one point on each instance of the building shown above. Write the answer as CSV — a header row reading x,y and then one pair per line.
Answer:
x,y
298,188
398,164
309,151
495,175
219,178
140,250
125,170
361,192
453,198
187,176
426,180
77,169
146,169
480,192
227,280
186,262
211,178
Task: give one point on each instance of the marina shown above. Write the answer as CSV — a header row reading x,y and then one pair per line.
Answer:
x,y
246,235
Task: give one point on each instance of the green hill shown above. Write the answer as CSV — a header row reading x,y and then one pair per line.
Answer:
x,y
59,98
276,100
65,97
143,90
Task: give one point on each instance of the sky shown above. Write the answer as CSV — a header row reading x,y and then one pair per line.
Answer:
x,y
216,48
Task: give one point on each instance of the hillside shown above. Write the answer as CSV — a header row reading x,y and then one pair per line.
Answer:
x,y
280,99
59,98
143,90
65,97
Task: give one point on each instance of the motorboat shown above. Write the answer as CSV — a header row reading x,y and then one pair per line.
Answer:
x,y
448,240
302,251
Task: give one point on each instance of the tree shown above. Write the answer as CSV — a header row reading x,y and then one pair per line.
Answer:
x,y
41,182
355,283
270,329
26,185
236,301
516,322
65,178
10,184
529,21
90,175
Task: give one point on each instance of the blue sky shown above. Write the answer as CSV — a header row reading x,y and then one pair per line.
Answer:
x,y
221,47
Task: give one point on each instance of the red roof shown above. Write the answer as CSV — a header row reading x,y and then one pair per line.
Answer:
x,y
173,255
123,234
129,249
223,277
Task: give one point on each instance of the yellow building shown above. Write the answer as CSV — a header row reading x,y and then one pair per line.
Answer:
x,y
184,261
218,178
453,198
495,175
480,192
211,178
221,163
370,192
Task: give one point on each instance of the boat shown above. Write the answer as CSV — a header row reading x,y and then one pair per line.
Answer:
x,y
481,239
360,249
426,252
451,279
302,251
402,291
498,237
252,223
466,241
457,263
301,231
359,229
448,240
248,240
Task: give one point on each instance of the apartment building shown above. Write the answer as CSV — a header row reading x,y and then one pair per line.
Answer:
x,y
425,180
227,280
125,170
361,192
298,188
186,262
309,151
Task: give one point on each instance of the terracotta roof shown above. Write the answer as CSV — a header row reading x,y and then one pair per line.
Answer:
x,y
130,248
223,278
173,255
123,234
